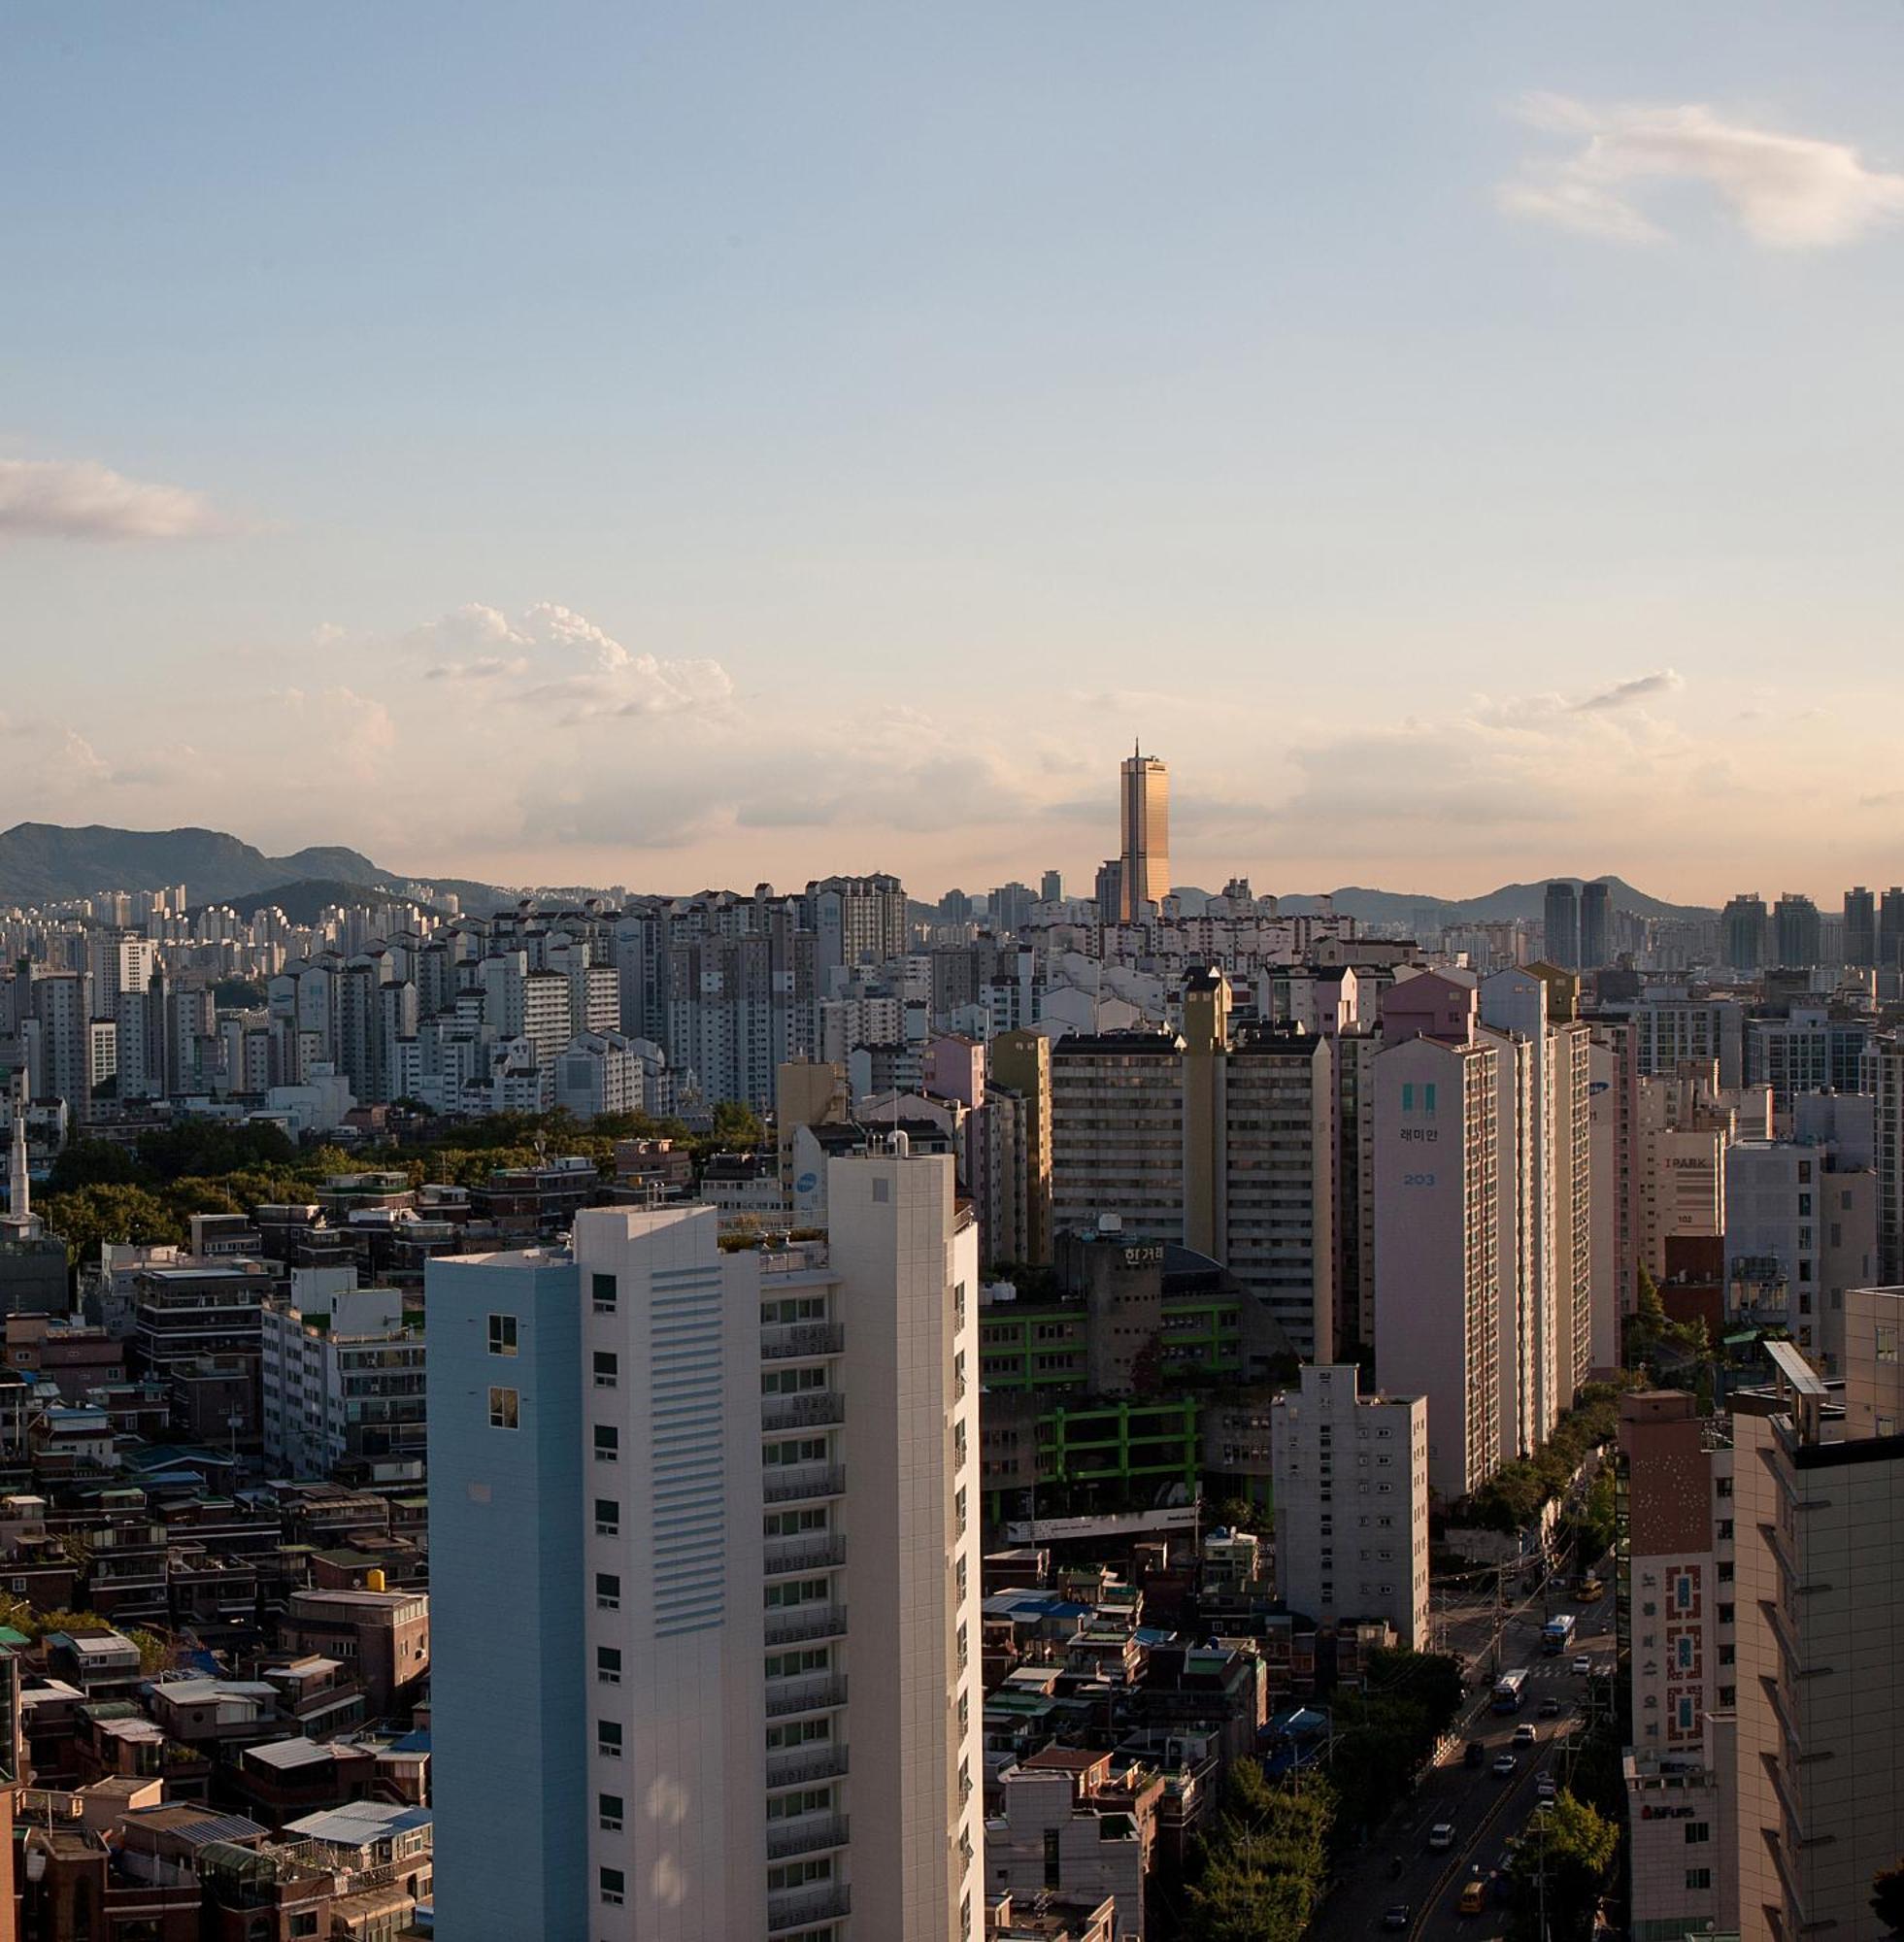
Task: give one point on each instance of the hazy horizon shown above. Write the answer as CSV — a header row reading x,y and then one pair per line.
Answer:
x,y
675,447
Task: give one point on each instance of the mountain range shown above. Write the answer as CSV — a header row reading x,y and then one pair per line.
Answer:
x,y
44,863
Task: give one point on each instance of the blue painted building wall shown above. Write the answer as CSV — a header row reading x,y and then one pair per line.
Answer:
x,y
508,1760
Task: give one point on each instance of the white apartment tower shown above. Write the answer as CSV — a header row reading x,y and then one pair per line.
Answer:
x,y
1441,1152
1351,1502
774,1727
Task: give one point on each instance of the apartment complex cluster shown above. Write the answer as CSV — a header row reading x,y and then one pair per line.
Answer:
x,y
821,1528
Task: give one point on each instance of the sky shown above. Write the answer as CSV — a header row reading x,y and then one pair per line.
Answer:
x,y
676,445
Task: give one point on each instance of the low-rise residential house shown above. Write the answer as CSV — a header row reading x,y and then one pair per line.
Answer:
x,y
1079,1822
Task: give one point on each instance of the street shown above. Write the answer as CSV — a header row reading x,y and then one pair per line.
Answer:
x,y
1485,1809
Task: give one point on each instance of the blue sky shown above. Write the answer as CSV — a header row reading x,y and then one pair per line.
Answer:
x,y
670,445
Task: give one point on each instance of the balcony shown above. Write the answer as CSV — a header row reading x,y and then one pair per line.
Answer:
x,y
811,1411
804,1623
805,1554
804,1480
802,1338
806,1837
809,1764
795,1908
812,1695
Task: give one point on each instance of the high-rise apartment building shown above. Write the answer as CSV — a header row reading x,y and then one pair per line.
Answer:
x,y
745,1486
858,921
1222,1141
1351,1475
1144,852
1561,927
1019,1062
1613,1134
1819,1512
1860,926
1890,930
1595,925
1445,1112
1744,932
1796,932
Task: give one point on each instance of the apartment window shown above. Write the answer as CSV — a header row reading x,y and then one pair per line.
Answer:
x,y
1724,1571
805,1800
964,1652
1684,1647
964,1713
1727,1655
608,1665
1886,1342
958,1509
791,1664
802,1733
792,1382
608,1812
1725,1530
1699,1878
505,1409
608,1739
608,1443
608,1592
960,1577
502,1334
1054,1867
1686,1713
801,1450
1697,1833
800,1874
604,1292
882,1191
607,1369
613,1887
608,1518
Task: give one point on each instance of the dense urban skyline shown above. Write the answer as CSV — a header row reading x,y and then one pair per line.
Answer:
x,y
824,445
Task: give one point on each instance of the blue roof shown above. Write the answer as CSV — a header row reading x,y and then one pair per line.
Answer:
x,y
418,1742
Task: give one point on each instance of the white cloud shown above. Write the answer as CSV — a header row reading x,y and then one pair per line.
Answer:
x,y
1788,191
575,663
51,499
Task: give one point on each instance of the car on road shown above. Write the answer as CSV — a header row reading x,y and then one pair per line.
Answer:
x,y
1524,1734
1442,1834
1549,1709
1546,1787
1476,1752
1582,1667
1474,1895
1400,1917
1506,1765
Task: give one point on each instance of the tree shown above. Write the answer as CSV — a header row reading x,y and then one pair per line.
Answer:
x,y
1574,1845
92,1163
1888,1897
94,1213
213,1147
737,1126
1265,1865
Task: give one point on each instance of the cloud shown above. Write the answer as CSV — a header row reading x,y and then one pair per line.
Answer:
x,y
1787,191
578,665
1624,693
51,499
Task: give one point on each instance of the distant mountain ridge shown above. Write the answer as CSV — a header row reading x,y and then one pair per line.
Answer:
x,y
45,862
1512,901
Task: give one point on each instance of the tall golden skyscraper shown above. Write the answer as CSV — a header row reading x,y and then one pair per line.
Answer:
x,y
1145,857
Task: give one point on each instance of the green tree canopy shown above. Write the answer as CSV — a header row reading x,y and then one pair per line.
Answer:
x,y
1575,1845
